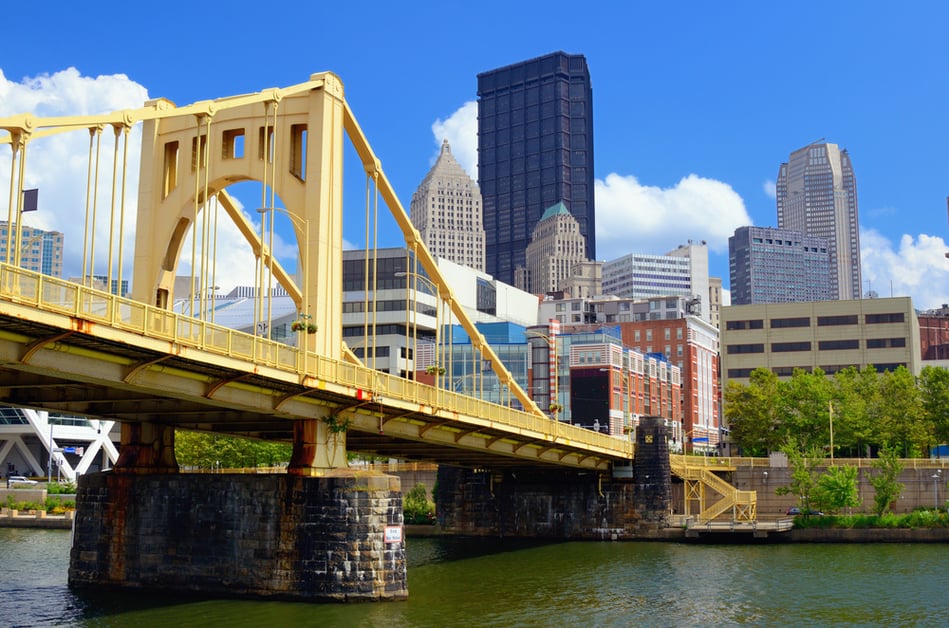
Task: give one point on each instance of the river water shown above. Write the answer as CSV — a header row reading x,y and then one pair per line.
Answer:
x,y
466,582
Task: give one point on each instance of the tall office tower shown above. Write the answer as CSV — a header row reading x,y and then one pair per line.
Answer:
x,y
556,247
768,265
446,209
535,149
817,195
40,251
679,273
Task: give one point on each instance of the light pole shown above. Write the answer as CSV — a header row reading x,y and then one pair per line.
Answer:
x,y
554,403
830,405
936,476
304,293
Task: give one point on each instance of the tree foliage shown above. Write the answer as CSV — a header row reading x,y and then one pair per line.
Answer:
x,y
934,389
865,410
885,482
837,489
804,463
416,507
206,451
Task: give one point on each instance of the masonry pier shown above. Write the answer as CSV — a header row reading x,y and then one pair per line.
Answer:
x,y
559,503
336,536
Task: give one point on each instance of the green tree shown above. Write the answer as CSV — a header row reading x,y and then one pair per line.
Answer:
x,y
202,450
416,507
804,474
752,413
900,413
854,391
934,389
806,403
837,489
885,482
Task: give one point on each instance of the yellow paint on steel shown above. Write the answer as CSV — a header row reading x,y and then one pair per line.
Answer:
x,y
59,304
699,474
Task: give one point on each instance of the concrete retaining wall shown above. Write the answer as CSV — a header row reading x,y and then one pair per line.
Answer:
x,y
918,489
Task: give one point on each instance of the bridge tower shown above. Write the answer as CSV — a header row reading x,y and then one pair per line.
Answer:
x,y
289,140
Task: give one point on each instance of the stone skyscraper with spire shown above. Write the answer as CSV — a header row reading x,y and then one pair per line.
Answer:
x,y
446,209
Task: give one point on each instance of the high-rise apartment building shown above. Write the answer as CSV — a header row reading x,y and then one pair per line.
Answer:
x,y
556,248
768,265
535,149
817,195
446,209
40,251
682,272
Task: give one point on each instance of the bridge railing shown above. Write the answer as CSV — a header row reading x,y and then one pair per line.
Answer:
x,y
56,295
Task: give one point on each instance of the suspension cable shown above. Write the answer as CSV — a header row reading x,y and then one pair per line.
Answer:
x,y
85,228
115,170
125,163
95,208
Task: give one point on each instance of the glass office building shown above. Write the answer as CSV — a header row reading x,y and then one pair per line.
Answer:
x,y
535,149
816,194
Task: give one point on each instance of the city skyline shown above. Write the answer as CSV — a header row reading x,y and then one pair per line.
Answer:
x,y
694,110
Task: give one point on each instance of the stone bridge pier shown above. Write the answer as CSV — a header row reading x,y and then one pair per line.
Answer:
x,y
560,503
319,535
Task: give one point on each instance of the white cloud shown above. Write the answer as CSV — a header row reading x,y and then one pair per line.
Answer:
x,y
631,217
917,268
770,189
59,164
461,131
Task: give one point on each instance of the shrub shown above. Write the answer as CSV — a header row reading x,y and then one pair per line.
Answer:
x,y
416,507
61,488
56,506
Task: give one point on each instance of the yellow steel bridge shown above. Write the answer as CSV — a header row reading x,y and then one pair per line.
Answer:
x,y
67,346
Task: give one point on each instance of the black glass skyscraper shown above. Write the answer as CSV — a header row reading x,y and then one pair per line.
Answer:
x,y
535,149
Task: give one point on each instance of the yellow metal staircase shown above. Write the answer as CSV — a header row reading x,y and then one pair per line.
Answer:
x,y
698,475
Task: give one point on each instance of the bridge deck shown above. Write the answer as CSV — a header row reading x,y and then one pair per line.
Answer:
x,y
68,348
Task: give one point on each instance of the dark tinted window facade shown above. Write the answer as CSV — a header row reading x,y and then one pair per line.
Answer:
x,y
535,149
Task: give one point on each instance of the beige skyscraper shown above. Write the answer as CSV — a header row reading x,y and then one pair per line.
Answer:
x,y
446,209
817,195
556,247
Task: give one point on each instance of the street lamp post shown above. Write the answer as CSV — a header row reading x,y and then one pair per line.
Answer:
x,y
304,293
936,476
830,405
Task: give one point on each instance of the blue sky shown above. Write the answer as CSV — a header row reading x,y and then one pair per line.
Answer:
x,y
695,104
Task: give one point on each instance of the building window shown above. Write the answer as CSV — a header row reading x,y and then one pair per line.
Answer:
x,y
733,373
824,321
739,325
779,323
749,348
885,343
895,317
838,345
785,347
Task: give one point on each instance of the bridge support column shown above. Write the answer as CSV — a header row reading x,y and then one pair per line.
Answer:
x,y
652,473
270,536
318,448
147,448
